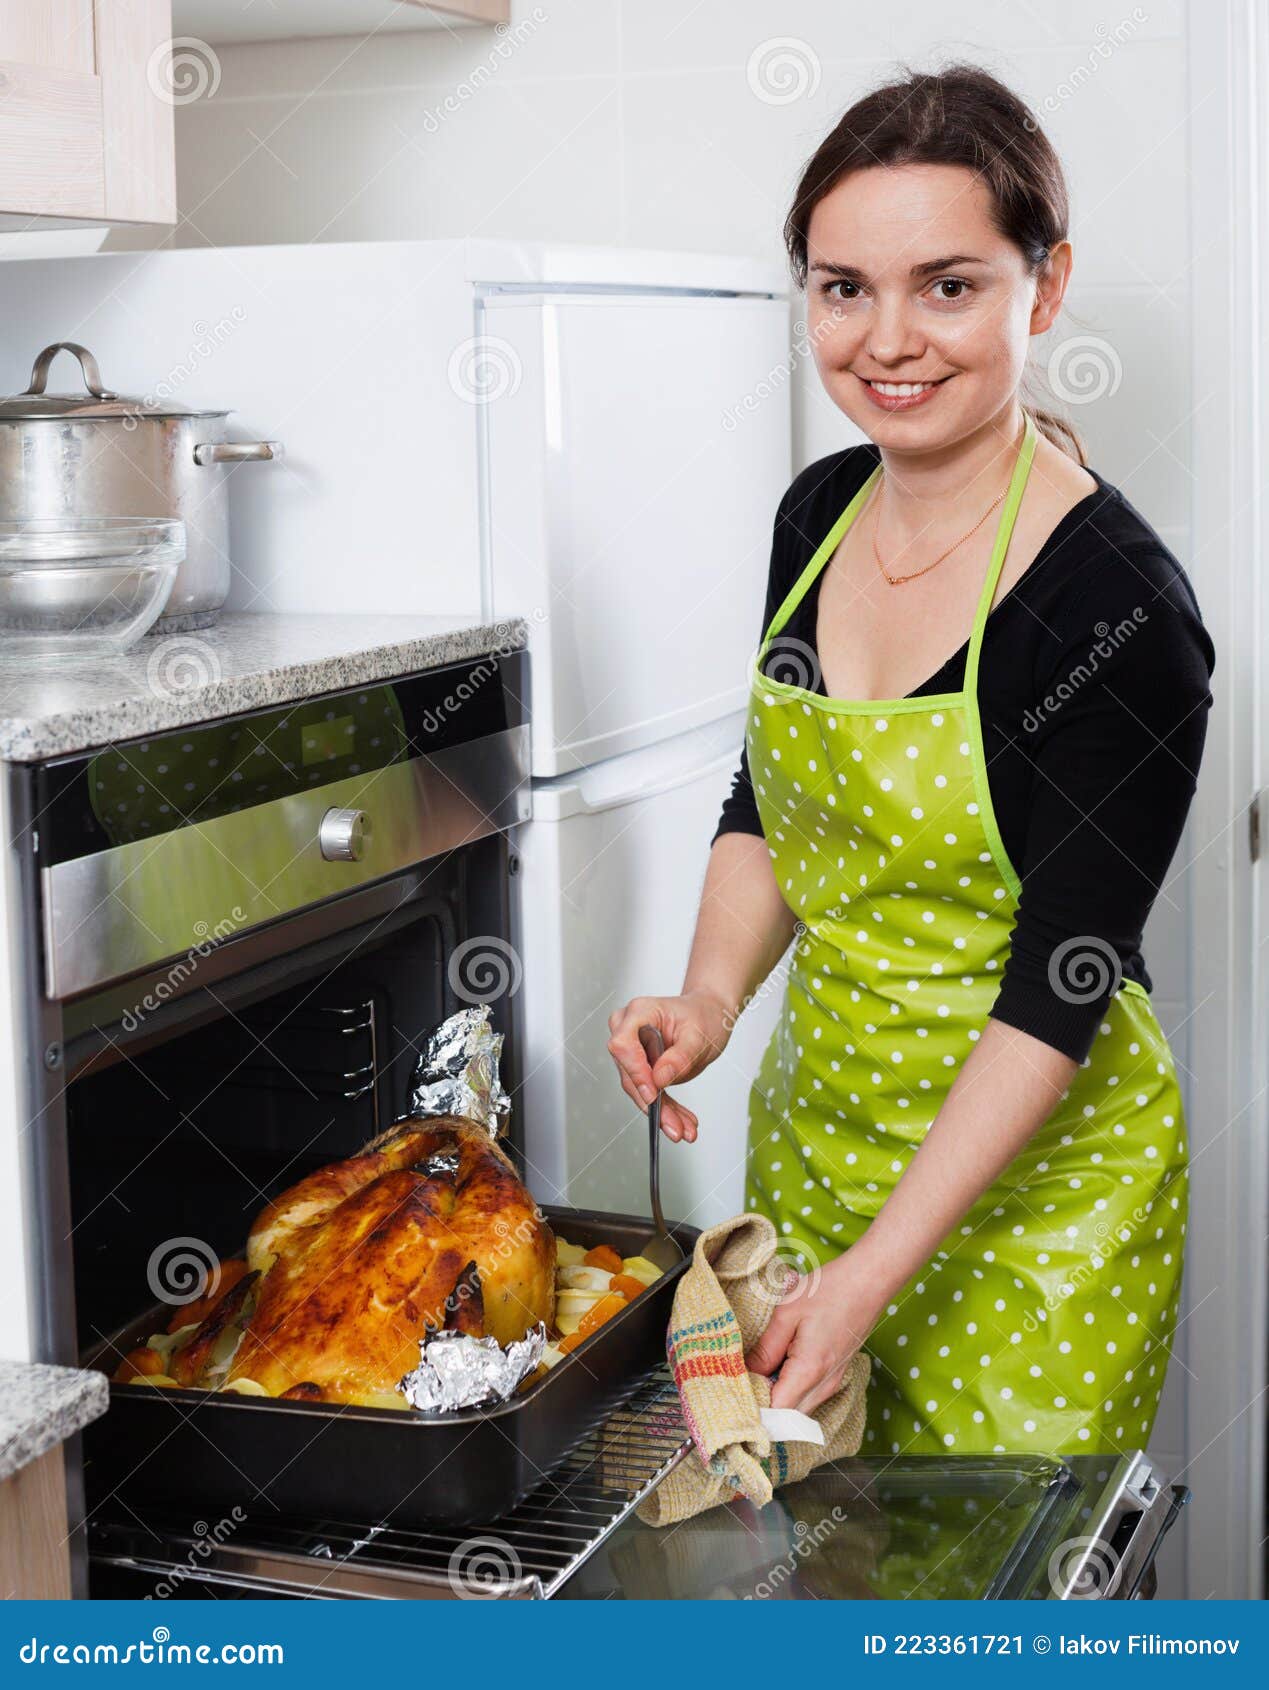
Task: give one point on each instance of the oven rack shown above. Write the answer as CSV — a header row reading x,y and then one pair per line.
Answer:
x,y
528,1554
328,1022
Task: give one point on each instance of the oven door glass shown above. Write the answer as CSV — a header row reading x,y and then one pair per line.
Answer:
x,y
922,1528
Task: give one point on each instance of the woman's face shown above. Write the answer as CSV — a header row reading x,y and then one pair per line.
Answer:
x,y
909,282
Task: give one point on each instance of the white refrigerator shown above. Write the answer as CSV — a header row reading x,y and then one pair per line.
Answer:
x,y
595,439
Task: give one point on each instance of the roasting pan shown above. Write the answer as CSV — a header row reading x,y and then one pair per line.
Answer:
x,y
216,1452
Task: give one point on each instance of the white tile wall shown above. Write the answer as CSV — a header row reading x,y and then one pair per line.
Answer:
x,y
632,122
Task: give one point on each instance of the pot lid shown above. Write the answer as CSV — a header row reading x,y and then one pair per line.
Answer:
x,y
95,401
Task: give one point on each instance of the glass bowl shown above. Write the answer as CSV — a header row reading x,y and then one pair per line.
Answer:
x,y
85,586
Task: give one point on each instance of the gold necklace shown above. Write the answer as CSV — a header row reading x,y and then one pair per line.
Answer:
x,y
901,580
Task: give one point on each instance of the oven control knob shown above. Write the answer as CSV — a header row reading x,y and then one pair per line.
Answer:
x,y
341,838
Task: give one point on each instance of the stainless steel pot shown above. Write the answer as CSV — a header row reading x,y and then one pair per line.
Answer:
x,y
98,453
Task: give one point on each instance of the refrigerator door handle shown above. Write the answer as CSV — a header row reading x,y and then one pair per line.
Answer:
x,y
634,794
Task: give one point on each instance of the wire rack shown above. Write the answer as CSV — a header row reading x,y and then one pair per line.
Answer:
x,y
300,1049
527,1554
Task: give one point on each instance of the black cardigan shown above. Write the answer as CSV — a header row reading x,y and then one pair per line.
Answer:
x,y
1092,737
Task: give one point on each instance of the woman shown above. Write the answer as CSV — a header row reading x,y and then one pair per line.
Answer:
x,y
967,1125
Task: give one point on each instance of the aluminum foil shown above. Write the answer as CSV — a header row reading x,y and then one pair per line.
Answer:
x,y
457,1072
439,1162
458,1371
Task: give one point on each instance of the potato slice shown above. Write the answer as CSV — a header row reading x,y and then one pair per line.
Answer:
x,y
167,1343
576,1302
245,1388
639,1267
223,1352
583,1279
566,1254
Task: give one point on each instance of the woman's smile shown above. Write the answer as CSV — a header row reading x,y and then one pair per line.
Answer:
x,y
901,395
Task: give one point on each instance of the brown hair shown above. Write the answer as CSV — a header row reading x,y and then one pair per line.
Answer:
x,y
961,115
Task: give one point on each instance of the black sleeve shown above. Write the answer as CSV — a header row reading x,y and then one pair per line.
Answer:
x,y
1115,738
740,808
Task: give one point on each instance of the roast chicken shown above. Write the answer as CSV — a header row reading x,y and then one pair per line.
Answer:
x,y
428,1227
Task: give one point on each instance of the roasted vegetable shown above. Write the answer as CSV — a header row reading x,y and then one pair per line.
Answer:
x,y
139,1363
591,1291
224,1277
603,1310
603,1256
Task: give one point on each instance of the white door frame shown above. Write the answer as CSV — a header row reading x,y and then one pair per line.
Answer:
x,y
1228,61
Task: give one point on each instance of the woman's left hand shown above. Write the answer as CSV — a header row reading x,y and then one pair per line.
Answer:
x,y
814,1334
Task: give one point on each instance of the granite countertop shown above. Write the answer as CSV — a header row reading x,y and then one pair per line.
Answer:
x,y
57,707
42,1406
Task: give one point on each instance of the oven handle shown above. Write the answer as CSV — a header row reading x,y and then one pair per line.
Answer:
x,y
1094,1564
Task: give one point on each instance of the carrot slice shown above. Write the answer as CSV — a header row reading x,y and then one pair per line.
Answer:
x,y
569,1342
604,1256
627,1286
139,1363
603,1310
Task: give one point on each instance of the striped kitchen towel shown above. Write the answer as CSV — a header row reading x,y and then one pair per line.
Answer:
x,y
721,1309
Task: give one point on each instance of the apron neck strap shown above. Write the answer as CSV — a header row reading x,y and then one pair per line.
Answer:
x,y
1004,529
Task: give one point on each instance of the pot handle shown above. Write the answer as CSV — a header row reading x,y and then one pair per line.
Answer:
x,y
237,451
87,368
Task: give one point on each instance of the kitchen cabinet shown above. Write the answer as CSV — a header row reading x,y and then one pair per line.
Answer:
x,y
86,116
42,1411
216,23
34,1560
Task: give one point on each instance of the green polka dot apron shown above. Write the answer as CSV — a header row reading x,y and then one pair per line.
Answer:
x,y
1044,1323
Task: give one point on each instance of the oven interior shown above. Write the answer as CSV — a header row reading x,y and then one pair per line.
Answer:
x,y
222,995
184,1143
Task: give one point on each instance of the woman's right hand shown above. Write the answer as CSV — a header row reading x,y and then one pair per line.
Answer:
x,y
695,1026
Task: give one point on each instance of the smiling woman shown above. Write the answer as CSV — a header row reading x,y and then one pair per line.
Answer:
x,y
959,802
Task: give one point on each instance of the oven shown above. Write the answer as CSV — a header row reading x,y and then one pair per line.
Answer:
x,y
234,935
